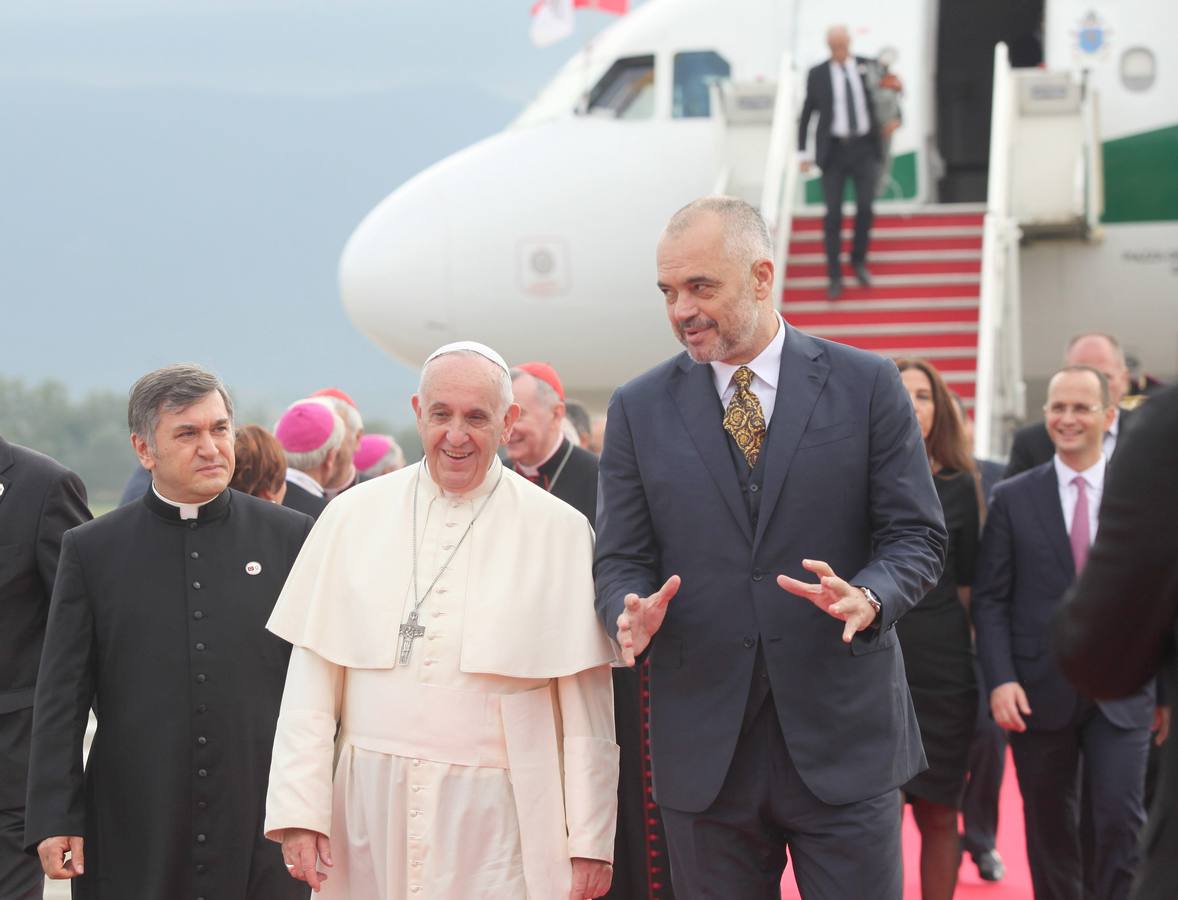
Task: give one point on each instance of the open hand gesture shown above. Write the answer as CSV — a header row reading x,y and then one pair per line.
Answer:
x,y
642,617
833,596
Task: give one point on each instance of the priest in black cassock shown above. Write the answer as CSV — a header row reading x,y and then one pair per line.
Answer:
x,y
158,619
540,451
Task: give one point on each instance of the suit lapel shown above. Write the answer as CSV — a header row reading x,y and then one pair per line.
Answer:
x,y
6,461
1045,495
695,396
803,374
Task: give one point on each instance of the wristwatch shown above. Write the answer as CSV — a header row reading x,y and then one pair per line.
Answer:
x,y
874,601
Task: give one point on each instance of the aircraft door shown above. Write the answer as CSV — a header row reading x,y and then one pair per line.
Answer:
x,y
966,34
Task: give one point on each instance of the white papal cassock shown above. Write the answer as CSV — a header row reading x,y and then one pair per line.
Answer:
x,y
483,766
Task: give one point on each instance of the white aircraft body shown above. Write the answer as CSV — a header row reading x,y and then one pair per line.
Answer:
x,y
540,240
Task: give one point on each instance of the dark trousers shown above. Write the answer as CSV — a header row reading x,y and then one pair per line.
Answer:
x,y
987,764
855,159
1090,764
737,847
20,874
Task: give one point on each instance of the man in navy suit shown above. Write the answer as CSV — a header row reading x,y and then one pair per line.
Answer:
x,y
848,146
776,723
1039,528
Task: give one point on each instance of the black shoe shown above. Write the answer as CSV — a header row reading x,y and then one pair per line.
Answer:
x,y
834,290
990,866
862,274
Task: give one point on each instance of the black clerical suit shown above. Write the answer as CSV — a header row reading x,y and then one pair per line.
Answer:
x,y
1120,626
856,156
161,623
39,501
641,866
301,499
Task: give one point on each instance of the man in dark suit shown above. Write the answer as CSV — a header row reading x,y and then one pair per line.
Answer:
x,y
1037,536
1032,445
775,723
848,146
39,501
1120,627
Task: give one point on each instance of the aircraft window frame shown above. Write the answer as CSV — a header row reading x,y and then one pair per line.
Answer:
x,y
626,90
696,103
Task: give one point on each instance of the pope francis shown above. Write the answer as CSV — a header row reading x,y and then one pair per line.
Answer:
x,y
442,623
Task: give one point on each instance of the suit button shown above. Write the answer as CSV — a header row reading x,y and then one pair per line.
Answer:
x,y
203,773
750,643
200,645
194,555
201,679
202,804
200,838
758,575
198,615
196,585
192,526
201,708
754,488
202,740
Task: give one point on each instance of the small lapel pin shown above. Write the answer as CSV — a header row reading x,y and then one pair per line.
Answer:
x,y
253,568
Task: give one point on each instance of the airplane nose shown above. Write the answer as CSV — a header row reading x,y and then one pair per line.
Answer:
x,y
396,262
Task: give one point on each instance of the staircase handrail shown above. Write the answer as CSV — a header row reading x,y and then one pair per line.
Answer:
x,y
1093,159
781,170
998,399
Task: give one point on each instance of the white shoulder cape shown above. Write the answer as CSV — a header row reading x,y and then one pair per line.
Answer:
x,y
530,598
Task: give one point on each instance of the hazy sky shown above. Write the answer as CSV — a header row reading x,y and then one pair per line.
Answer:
x,y
178,177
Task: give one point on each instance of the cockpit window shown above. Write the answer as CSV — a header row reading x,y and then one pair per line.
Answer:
x,y
626,90
695,71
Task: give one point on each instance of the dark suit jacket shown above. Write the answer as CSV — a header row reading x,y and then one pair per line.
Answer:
x,y
820,99
846,480
1025,567
39,500
1120,626
303,500
1032,445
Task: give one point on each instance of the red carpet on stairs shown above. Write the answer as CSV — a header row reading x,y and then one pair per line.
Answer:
x,y
1011,846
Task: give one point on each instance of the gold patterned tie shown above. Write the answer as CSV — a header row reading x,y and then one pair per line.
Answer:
x,y
743,419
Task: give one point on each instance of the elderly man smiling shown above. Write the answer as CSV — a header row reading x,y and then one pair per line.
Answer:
x,y
443,617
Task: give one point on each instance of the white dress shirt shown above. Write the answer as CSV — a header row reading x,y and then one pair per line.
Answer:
x,y
766,368
1068,492
840,125
305,481
1110,436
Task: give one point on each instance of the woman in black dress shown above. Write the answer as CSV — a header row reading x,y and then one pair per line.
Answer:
x,y
935,638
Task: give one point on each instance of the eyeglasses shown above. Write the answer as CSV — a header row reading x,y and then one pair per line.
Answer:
x,y
1079,410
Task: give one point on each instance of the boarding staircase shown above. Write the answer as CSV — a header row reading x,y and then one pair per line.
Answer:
x,y
924,301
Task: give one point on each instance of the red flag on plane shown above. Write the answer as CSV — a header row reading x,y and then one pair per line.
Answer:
x,y
552,20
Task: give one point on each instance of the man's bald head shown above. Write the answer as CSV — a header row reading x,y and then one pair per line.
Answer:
x,y
838,39
1103,353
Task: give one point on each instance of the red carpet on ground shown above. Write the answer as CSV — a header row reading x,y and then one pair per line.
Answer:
x,y
1011,846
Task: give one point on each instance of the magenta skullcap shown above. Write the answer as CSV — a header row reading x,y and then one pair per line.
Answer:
x,y
372,449
305,427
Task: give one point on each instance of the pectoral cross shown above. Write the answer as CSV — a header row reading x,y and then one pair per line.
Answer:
x,y
409,631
